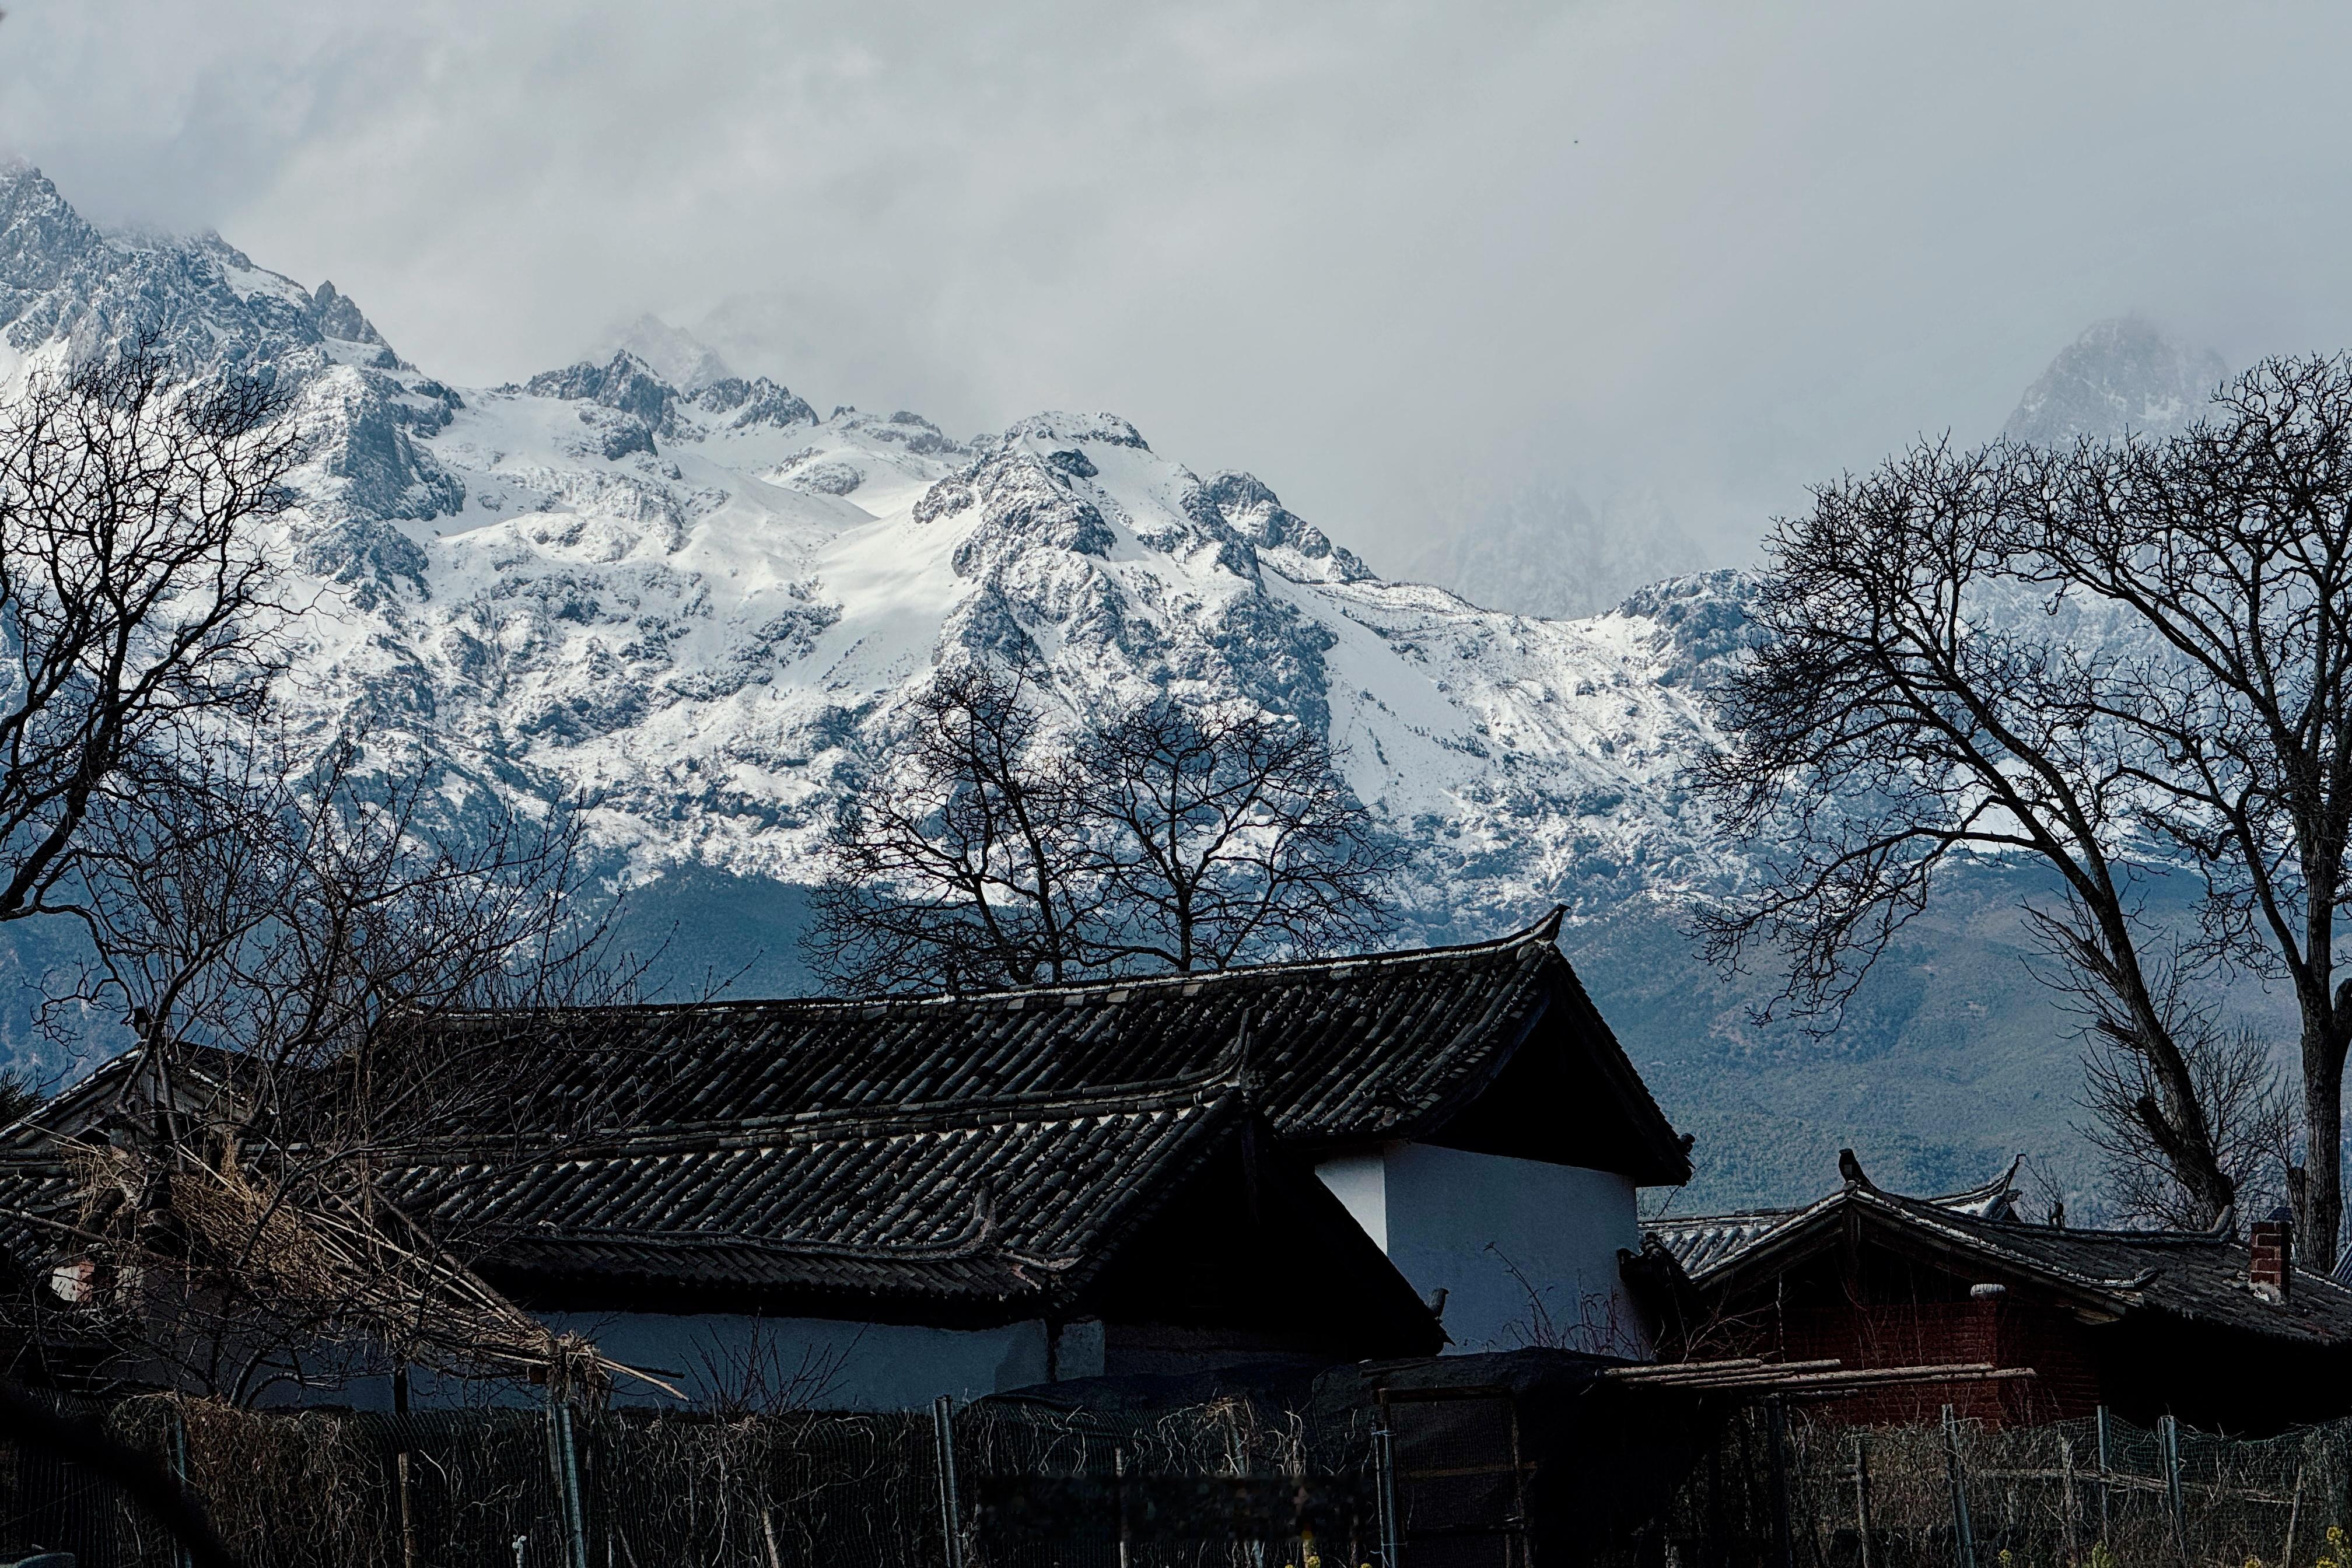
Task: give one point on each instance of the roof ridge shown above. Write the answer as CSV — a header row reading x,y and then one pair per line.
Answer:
x,y
1544,931
1998,1188
2095,1232
1660,1222
904,1118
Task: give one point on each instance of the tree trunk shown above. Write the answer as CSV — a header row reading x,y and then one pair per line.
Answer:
x,y
2322,1217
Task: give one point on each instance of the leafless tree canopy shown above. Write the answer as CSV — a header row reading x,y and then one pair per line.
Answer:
x,y
133,591
2236,1080
286,940
1228,833
2123,661
959,864
986,852
282,931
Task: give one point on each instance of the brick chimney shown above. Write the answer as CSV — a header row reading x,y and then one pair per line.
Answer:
x,y
2271,1270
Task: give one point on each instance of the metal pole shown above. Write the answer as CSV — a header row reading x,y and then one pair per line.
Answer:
x,y
2104,1487
1964,1537
575,1515
1384,1468
950,1522
1862,1498
2066,1494
2293,1511
1776,1421
1119,1477
180,1473
2169,1430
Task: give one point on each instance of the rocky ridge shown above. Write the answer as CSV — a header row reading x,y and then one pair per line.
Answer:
x,y
2123,373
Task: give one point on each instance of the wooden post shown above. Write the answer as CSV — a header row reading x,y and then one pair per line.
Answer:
x,y
1776,1418
2104,1487
1862,1497
407,1513
401,1468
1964,1538
1717,1551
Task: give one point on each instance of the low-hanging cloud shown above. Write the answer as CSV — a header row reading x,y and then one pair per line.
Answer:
x,y
1382,255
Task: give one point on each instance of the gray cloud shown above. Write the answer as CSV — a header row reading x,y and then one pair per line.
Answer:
x,y
1382,255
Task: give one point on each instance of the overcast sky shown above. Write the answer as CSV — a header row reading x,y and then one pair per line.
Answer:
x,y
1379,255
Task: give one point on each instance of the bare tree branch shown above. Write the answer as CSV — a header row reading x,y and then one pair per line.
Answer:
x,y
987,851
134,595
2129,661
1230,835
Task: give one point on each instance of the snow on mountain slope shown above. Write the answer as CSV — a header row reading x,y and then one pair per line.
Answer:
x,y
694,609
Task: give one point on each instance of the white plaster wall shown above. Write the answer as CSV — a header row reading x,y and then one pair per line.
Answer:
x,y
1360,1184
1449,1219
863,1366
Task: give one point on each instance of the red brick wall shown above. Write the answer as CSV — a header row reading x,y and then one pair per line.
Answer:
x,y
2005,1332
1875,1310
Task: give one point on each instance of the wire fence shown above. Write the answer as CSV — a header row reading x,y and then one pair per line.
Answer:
x,y
1782,1489
1223,1484
1230,1483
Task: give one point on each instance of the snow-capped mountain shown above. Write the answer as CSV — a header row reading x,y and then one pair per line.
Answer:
x,y
2121,375
691,604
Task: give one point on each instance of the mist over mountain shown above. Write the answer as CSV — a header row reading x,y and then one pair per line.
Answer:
x,y
2122,374
1541,550
673,353
691,607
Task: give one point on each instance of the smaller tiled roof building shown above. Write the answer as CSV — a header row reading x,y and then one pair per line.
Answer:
x,y
2221,1333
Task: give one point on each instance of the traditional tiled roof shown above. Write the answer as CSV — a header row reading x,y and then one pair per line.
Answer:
x,y
954,1213
993,1151
202,1076
2198,1276
982,1202
1699,1242
1399,1046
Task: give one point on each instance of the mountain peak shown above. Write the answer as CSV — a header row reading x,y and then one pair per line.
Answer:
x,y
336,315
2125,374
673,353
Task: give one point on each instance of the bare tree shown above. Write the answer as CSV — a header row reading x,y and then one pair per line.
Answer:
x,y
987,852
2230,548
288,941
961,863
1908,705
1230,835
2236,1080
2128,662
134,593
